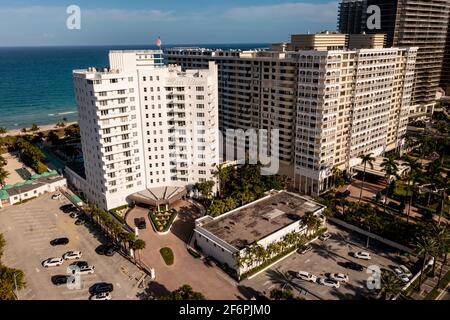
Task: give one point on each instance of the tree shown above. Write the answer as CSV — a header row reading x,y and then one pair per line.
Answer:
x,y
425,246
138,245
366,159
223,174
205,188
3,161
3,175
312,222
10,279
441,236
2,245
391,285
3,130
277,294
185,292
72,132
338,177
53,138
34,127
23,130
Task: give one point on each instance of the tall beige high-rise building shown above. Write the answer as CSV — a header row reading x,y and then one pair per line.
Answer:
x,y
330,105
408,23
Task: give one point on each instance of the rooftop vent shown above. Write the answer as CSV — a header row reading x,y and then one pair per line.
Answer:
x,y
272,214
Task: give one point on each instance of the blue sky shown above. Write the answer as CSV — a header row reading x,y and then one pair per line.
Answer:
x,y
31,23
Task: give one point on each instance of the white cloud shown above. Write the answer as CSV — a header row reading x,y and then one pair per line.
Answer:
x,y
316,12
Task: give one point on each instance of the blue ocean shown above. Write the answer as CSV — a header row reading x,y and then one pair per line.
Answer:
x,y
36,82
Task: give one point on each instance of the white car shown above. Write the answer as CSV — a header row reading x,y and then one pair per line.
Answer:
x,y
329,282
102,296
84,270
71,255
404,278
306,276
56,196
52,262
339,277
405,271
325,236
362,255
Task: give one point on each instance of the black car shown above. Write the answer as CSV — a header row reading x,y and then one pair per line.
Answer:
x,y
80,264
101,287
80,221
140,223
352,265
67,208
106,250
60,279
59,241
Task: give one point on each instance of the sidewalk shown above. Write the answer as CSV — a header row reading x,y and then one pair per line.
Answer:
x,y
430,283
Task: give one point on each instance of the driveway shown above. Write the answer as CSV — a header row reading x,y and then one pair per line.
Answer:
x,y
203,277
28,229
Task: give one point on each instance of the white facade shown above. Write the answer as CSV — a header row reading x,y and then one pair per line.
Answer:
x,y
145,125
330,105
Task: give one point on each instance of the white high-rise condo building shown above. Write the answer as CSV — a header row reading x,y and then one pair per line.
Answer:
x,y
330,103
145,127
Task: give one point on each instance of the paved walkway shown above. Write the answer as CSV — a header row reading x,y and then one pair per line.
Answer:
x,y
430,283
203,277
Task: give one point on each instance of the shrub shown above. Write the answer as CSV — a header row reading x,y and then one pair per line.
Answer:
x,y
167,255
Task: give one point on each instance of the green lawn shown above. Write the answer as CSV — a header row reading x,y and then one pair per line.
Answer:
x,y
167,255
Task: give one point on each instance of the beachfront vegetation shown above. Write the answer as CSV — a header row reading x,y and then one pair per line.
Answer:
x,y
2,130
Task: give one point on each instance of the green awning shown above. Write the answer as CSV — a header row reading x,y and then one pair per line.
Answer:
x,y
8,186
4,195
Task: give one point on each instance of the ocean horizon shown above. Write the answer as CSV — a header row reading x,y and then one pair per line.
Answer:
x,y
37,85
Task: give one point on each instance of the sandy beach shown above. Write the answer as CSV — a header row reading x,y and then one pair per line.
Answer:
x,y
42,128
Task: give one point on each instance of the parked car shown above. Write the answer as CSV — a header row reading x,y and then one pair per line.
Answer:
x,y
67,208
70,255
329,282
80,264
76,214
80,222
101,296
339,277
140,223
325,236
362,255
84,270
59,241
306,276
61,279
404,278
106,249
304,249
56,196
352,265
101,287
405,271
52,262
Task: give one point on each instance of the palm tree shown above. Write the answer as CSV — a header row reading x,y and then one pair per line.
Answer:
x,y
337,177
3,175
425,246
223,174
441,235
413,175
366,159
312,222
391,285
2,130
390,167
138,245
3,161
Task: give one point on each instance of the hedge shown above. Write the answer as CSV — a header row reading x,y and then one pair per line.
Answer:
x,y
152,215
167,255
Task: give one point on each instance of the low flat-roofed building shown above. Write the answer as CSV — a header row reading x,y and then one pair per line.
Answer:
x,y
263,222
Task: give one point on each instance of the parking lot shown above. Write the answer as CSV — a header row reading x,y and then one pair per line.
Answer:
x,y
28,228
328,257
